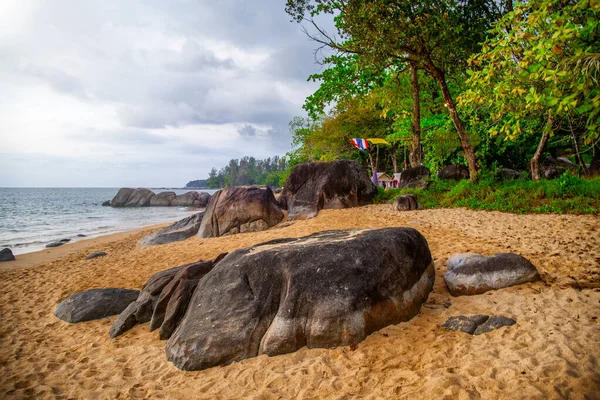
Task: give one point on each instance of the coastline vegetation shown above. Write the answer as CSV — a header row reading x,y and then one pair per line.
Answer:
x,y
485,84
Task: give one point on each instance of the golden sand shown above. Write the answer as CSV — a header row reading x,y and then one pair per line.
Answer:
x,y
552,352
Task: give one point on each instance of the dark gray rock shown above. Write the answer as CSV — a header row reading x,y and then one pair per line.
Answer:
x,y
191,199
163,199
509,174
240,209
127,197
58,243
324,185
6,255
106,203
94,304
471,273
328,289
95,254
180,230
412,176
454,171
552,172
163,299
405,202
477,324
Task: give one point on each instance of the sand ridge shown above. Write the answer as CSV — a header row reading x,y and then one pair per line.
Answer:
x,y
552,352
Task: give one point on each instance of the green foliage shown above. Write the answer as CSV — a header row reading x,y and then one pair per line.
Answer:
x,y
567,194
538,66
248,171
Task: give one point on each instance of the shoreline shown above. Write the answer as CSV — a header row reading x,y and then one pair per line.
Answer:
x,y
49,254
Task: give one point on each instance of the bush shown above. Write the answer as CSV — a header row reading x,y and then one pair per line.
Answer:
x,y
567,194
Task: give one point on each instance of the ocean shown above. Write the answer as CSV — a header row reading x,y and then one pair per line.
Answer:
x,y
30,218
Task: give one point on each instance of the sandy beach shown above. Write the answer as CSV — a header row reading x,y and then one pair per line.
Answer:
x,y
552,352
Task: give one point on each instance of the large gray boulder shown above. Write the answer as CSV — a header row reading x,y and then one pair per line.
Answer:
x,y
324,185
472,273
6,255
180,230
163,299
240,209
94,304
127,197
328,289
163,199
509,174
191,199
454,171
414,177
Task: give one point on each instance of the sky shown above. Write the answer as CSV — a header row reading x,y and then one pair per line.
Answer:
x,y
147,93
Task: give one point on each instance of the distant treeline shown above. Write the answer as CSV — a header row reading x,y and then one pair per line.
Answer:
x,y
248,171
198,183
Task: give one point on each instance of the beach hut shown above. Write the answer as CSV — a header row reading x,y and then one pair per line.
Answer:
x,y
384,180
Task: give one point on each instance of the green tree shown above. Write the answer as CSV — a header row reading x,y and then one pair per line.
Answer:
x,y
540,69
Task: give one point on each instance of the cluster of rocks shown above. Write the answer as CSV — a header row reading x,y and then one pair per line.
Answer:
x,y
328,289
281,295
140,197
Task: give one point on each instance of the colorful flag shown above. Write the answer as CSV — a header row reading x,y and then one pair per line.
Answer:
x,y
360,144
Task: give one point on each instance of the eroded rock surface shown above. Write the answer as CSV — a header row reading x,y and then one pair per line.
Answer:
x,y
323,185
163,299
94,304
405,202
472,273
328,289
180,230
240,209
477,324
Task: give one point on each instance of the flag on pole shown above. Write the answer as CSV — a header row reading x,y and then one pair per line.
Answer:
x,y
360,144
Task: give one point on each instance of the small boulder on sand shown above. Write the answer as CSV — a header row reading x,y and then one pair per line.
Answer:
x,y
405,202
6,255
472,273
94,304
95,254
477,324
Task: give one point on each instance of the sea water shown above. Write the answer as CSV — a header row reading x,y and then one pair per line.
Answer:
x,y
30,218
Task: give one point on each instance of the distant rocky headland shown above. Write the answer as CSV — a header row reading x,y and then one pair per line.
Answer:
x,y
197,184
141,197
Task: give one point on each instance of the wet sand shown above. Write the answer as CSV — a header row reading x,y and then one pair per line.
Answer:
x,y
552,352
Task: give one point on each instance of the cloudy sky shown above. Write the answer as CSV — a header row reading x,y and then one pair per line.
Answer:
x,y
145,93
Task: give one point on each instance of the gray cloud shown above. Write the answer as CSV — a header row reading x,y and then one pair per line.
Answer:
x,y
145,71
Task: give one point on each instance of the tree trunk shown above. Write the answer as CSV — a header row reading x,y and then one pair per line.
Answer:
x,y
465,140
371,161
535,160
394,160
415,151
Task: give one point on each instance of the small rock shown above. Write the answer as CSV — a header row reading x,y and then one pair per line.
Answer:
x,y
106,203
6,255
95,254
509,174
58,243
80,235
94,304
405,202
454,171
472,273
477,324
